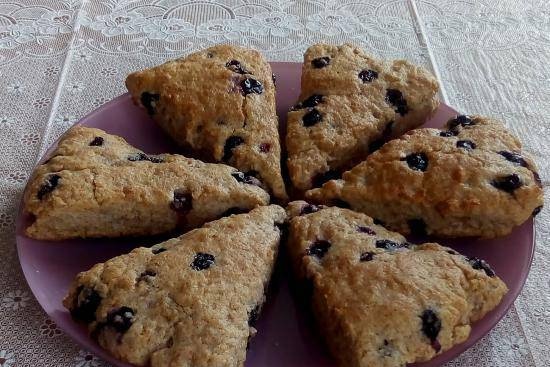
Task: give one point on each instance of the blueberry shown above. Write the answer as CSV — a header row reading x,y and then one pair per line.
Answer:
x,y
149,101
310,101
448,133
146,275
479,264
236,67
466,144
250,85
274,78
385,350
431,325
231,143
97,142
508,183
202,261
87,302
320,62
182,201
312,117
265,147
537,211
309,208
158,250
390,245
368,75
247,178
460,120
367,230
144,157
121,319
417,227
395,98
366,256
318,249
253,315
417,161
48,186
513,157
320,178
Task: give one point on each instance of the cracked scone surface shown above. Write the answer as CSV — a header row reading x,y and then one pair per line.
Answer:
x,y
470,179
379,301
186,302
350,103
97,185
219,102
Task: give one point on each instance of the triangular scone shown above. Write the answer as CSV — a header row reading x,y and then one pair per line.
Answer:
x,y
219,102
189,301
350,104
470,180
380,301
97,185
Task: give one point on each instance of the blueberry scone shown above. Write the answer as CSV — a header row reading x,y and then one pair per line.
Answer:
x,y
350,103
219,102
97,185
471,179
189,301
380,301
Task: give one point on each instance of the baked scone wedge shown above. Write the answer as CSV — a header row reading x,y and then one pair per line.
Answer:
x,y
350,103
219,102
97,185
472,179
378,300
189,301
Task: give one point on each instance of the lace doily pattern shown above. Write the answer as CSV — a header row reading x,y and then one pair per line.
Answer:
x,y
60,59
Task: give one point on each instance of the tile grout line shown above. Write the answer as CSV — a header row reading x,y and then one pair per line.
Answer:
x,y
60,82
423,37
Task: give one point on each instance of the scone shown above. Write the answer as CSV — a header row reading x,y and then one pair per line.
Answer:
x,y
219,102
471,179
97,185
189,301
350,103
380,301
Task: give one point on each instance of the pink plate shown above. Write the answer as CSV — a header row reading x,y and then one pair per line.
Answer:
x,y
284,337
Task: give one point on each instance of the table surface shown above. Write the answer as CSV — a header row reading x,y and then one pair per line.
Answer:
x,y
60,59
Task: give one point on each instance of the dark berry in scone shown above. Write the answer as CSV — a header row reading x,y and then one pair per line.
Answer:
x,y
380,301
470,179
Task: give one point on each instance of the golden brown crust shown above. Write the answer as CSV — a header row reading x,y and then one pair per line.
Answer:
x,y
458,194
356,114
200,101
113,189
373,303
165,308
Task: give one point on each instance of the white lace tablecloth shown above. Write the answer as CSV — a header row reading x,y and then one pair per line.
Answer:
x,y
60,59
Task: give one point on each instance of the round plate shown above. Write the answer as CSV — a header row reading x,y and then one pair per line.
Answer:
x,y
285,337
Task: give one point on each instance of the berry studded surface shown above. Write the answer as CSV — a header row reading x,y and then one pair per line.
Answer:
x,y
471,179
188,305
350,104
112,189
386,306
219,103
